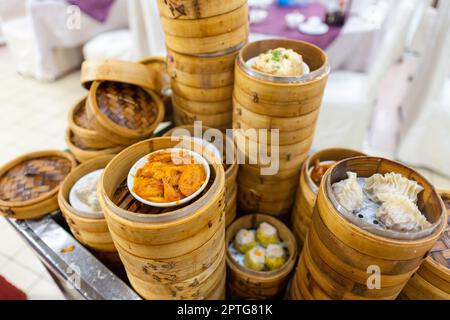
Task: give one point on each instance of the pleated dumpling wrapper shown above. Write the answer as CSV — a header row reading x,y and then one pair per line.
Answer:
x,y
399,213
391,183
275,256
255,258
244,240
267,234
349,193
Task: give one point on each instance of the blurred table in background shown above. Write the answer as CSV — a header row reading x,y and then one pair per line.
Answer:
x,y
349,47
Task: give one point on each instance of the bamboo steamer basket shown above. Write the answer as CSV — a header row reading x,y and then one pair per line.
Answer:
x,y
231,169
244,283
432,280
90,229
281,96
221,121
338,252
289,156
83,153
196,9
29,184
261,121
124,113
202,71
285,138
177,243
157,67
206,27
206,108
117,71
213,44
307,191
80,125
202,94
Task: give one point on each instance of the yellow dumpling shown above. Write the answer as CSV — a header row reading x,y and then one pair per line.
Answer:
x,y
267,234
244,240
255,258
275,256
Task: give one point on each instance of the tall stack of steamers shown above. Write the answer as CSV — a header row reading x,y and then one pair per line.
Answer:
x,y
203,39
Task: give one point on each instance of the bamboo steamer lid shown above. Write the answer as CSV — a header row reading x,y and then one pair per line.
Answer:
x,y
88,228
202,71
338,252
307,191
244,283
158,68
206,108
196,9
124,113
214,44
206,27
432,280
261,121
231,205
80,125
281,96
202,94
82,153
117,71
30,183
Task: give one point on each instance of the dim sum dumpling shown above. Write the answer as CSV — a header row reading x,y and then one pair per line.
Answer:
x,y
244,240
275,256
391,183
399,213
349,193
254,259
267,234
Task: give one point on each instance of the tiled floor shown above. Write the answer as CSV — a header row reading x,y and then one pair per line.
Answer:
x,y
33,117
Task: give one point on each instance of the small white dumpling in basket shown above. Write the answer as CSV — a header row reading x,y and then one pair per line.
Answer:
x,y
391,183
399,213
349,193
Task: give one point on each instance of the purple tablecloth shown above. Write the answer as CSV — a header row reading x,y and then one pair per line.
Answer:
x,y
275,25
97,9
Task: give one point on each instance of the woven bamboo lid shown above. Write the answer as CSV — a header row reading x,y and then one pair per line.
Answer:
x,y
30,183
122,112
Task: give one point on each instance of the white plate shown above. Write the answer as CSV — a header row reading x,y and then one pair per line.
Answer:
x,y
141,162
75,202
251,61
258,16
314,30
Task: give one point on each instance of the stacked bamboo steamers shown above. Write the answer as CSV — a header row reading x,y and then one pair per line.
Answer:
x,y
168,253
203,38
124,105
266,102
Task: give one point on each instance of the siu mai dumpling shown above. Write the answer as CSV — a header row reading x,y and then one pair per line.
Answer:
x,y
244,240
254,259
275,256
267,234
391,183
349,193
399,213
280,62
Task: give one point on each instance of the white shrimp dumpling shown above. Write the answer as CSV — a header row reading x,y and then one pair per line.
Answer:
x,y
349,193
391,183
399,213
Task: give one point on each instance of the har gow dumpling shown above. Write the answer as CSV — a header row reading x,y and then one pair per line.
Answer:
x,y
349,193
391,183
399,213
